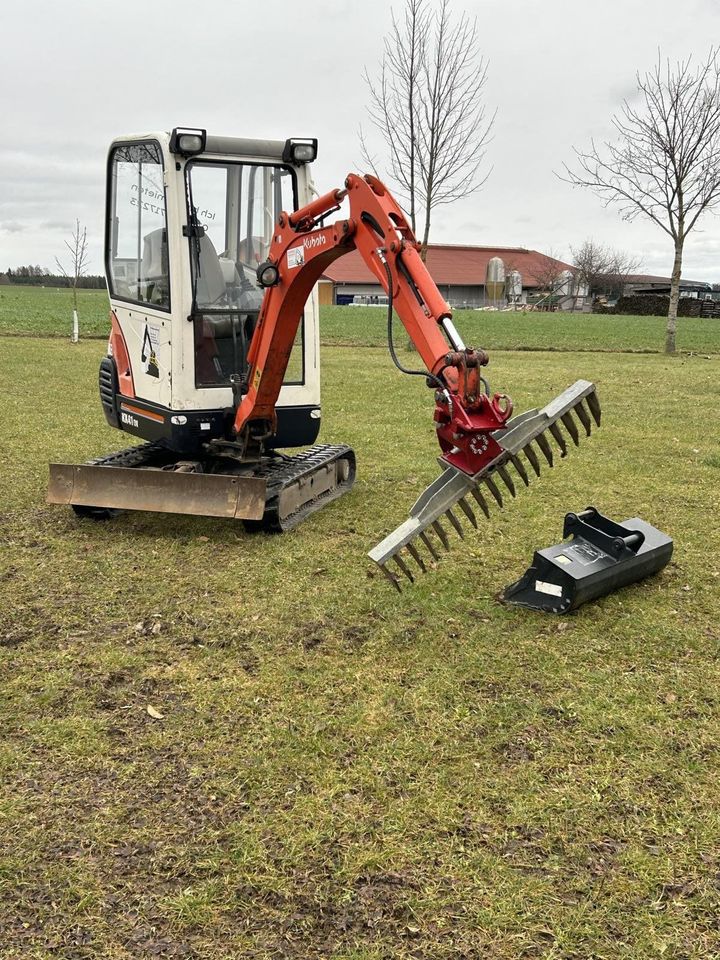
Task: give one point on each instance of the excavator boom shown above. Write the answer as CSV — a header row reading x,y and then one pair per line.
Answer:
x,y
466,415
479,438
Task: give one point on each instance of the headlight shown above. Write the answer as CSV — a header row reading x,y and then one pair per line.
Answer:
x,y
267,274
299,151
187,141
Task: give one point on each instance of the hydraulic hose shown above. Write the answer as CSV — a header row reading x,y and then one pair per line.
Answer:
x,y
391,347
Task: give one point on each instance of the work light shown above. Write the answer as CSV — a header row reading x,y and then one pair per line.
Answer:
x,y
299,151
267,274
187,141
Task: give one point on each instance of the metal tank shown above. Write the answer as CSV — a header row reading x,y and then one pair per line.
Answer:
x,y
513,286
495,281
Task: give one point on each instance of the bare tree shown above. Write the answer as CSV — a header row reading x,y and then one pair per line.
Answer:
x,y
394,98
78,263
427,106
664,163
623,266
602,269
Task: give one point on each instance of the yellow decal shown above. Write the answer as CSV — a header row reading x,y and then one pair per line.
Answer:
x,y
256,378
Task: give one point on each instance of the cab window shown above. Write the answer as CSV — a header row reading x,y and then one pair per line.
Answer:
x,y
232,211
137,226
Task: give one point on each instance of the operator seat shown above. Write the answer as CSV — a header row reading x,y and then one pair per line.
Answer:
x,y
154,284
214,341
211,285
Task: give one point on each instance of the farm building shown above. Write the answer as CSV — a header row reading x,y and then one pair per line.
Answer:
x,y
644,283
461,273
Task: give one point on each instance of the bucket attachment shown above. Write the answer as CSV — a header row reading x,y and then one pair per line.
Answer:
x,y
455,495
601,557
163,491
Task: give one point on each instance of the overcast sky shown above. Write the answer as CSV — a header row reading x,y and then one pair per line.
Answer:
x,y
75,74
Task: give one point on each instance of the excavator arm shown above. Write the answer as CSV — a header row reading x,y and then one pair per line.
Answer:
x,y
301,251
479,438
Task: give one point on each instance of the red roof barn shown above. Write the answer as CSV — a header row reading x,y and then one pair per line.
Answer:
x,y
459,272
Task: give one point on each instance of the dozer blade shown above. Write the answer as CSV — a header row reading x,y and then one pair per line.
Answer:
x,y
526,434
160,491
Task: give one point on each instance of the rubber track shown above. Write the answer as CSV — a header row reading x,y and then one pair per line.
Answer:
x,y
143,455
283,472
278,473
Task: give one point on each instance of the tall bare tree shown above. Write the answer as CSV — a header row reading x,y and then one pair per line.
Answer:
x,y
664,162
427,106
393,108
77,268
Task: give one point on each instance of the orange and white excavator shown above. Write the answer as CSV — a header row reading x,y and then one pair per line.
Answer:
x,y
213,249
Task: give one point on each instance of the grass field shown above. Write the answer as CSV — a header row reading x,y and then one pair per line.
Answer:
x,y
218,746
530,331
48,312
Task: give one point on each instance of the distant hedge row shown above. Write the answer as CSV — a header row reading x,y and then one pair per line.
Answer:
x,y
51,280
651,305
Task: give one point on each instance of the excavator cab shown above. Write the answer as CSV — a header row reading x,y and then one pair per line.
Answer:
x,y
190,218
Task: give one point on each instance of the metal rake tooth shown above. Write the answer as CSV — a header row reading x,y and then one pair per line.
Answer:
x,y
404,567
571,428
428,543
437,527
465,507
391,577
594,405
412,550
558,438
481,501
583,416
507,480
518,464
532,457
490,484
542,442
455,522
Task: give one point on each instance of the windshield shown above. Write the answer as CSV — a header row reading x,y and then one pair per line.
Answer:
x,y
232,211
237,206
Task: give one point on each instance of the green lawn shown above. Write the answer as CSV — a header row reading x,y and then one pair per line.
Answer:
x,y
48,312
367,326
337,771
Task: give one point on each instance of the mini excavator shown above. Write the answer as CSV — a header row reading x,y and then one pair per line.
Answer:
x,y
213,248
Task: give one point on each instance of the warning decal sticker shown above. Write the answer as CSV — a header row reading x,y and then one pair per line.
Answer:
x,y
295,257
148,353
553,589
585,553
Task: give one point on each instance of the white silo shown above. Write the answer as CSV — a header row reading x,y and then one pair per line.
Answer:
x,y
513,286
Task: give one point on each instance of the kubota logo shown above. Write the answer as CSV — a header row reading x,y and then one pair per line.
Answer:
x,y
316,241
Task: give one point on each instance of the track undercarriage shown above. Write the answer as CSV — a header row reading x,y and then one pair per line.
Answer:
x,y
273,494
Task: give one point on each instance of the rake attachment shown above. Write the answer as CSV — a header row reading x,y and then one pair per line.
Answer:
x,y
454,493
